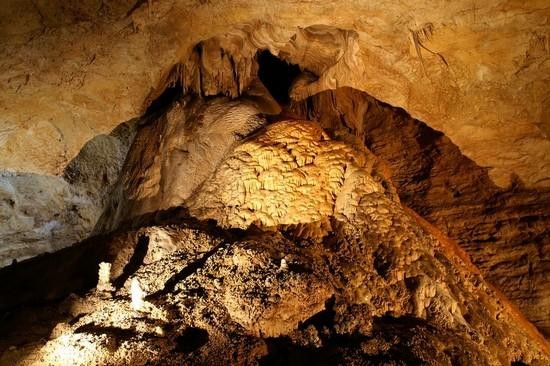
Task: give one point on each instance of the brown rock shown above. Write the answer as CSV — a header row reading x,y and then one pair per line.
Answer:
x,y
505,231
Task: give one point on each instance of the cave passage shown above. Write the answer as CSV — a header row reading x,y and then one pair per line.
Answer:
x,y
170,94
277,75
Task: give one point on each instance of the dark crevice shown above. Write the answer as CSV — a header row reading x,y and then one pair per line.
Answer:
x,y
324,318
168,96
277,75
383,261
187,271
191,340
281,351
115,331
135,7
135,261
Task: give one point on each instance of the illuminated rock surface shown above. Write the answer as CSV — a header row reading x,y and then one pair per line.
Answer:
x,y
468,70
222,163
380,286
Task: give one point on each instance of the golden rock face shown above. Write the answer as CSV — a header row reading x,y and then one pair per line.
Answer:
x,y
383,275
476,75
292,173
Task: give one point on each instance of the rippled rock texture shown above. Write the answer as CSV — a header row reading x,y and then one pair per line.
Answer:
x,y
381,286
505,231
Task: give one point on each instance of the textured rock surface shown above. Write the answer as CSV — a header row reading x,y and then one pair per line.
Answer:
x,y
43,213
383,286
471,71
321,215
292,173
175,152
505,231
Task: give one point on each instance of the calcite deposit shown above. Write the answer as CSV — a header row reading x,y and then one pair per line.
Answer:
x,y
266,183
291,174
382,284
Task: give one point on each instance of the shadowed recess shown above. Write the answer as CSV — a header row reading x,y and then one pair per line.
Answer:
x,y
277,75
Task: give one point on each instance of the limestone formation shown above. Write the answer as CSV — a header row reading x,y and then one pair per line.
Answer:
x,y
505,231
468,70
43,213
267,183
288,175
175,153
383,279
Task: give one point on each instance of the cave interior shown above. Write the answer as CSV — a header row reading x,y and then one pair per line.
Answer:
x,y
254,215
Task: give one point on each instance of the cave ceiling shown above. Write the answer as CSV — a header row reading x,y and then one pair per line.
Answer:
x,y
71,71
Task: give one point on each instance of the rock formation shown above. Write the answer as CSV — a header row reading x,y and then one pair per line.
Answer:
x,y
457,67
250,182
42,213
505,231
380,286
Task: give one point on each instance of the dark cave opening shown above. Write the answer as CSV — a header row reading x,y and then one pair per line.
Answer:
x,y
277,75
170,94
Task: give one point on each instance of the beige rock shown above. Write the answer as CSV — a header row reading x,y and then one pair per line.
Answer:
x,y
176,152
469,71
45,213
292,173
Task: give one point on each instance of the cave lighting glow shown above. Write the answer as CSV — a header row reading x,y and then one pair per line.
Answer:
x,y
70,349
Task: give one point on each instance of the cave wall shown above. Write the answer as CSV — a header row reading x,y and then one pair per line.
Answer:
x,y
505,231
72,72
44,213
468,70
382,286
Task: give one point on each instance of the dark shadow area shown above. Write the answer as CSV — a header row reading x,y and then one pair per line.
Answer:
x,y
396,333
117,332
31,290
170,94
383,261
324,318
277,75
135,7
52,276
187,271
281,351
191,340
135,261
30,324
